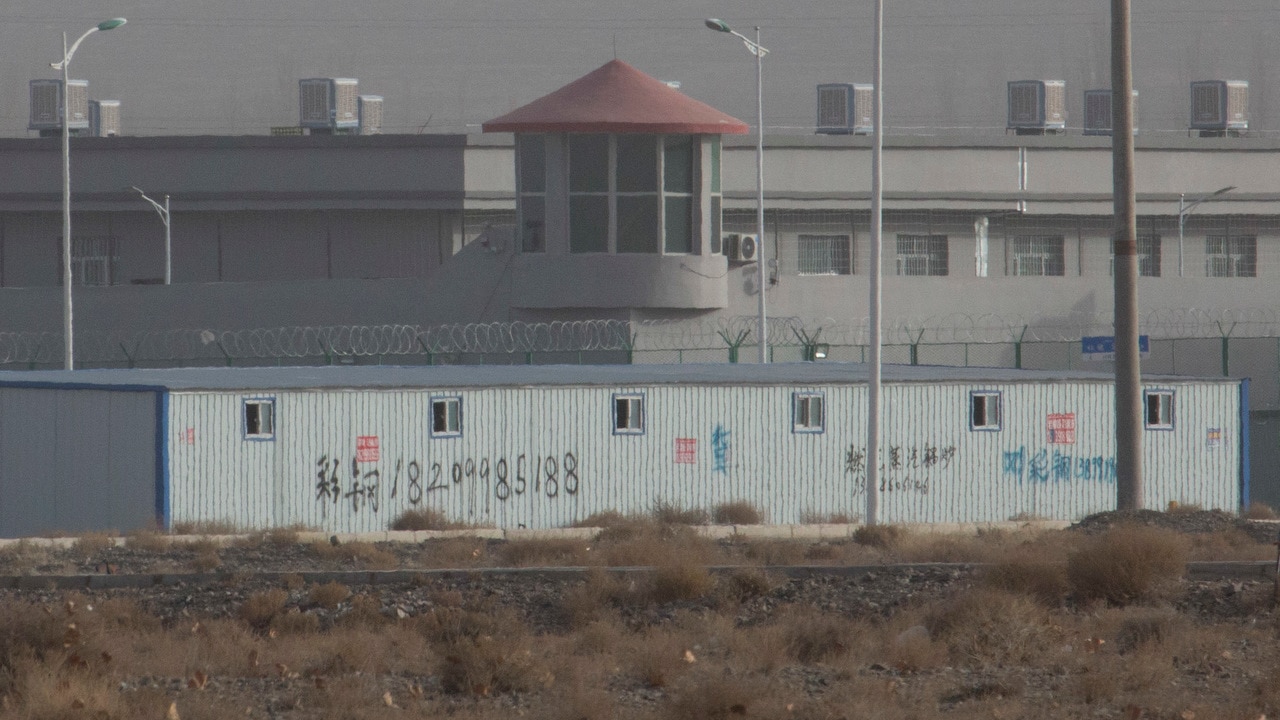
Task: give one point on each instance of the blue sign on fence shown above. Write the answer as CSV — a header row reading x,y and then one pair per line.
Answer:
x,y
1103,347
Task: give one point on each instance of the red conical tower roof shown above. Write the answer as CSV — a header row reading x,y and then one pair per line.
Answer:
x,y
617,98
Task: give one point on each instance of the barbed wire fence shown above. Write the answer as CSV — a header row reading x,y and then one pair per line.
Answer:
x,y
1182,341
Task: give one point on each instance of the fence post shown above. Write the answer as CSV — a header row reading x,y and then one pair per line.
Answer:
x,y
1017,348
1226,341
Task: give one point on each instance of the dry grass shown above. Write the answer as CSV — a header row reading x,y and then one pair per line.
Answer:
x,y
359,554
147,541
328,595
669,513
206,527
1259,511
1025,639
563,552
1127,564
882,537
425,519
738,512
814,517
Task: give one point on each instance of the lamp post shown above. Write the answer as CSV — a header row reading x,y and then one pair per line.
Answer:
x,y
63,65
755,48
163,212
1185,208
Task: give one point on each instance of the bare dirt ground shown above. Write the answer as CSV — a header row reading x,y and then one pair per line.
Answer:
x,y
248,634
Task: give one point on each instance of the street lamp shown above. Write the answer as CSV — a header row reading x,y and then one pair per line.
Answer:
x,y
1185,208
755,48
163,212
63,65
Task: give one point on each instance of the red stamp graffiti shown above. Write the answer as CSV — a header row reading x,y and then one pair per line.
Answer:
x,y
686,451
367,448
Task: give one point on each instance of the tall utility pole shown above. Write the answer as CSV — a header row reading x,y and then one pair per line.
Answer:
x,y
1128,371
877,195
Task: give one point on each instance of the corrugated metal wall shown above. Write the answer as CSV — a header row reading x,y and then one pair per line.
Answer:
x,y
73,460
546,457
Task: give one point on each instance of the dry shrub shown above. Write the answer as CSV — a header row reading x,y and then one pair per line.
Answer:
x,y
206,527
1029,574
329,595
878,536
598,637
603,519
1141,627
22,557
1232,543
90,544
57,691
1177,508
737,512
295,622
674,581
206,559
1127,563
452,553
746,584
716,696
557,552
641,543
1259,511
586,603
813,517
815,636
986,627
424,519
361,554
911,648
259,608
273,537
669,513
365,612
147,541
772,552
658,657
482,652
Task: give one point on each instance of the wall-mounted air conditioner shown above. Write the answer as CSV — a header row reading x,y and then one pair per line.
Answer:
x,y
845,109
1037,107
46,106
328,104
1219,107
370,114
104,118
1097,112
741,248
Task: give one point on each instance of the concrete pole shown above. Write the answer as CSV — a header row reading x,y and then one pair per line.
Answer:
x,y
763,329
873,371
1128,370
69,341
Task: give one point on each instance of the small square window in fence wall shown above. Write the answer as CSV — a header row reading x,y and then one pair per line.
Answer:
x,y
259,416
1158,409
807,412
628,414
446,417
984,410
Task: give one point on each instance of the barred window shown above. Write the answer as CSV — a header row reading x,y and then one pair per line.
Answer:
x,y
922,254
1148,256
1037,255
824,255
1231,256
93,260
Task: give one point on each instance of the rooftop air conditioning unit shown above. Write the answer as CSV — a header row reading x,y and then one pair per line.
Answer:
x,y
741,248
1097,112
370,114
1219,107
845,109
1037,107
104,118
328,104
46,105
